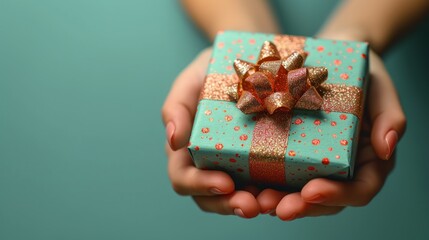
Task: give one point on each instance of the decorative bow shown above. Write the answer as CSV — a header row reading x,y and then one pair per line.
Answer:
x,y
275,84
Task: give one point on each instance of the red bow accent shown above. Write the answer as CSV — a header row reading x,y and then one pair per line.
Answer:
x,y
276,84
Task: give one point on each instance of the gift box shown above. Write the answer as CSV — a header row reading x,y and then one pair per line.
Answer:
x,y
280,110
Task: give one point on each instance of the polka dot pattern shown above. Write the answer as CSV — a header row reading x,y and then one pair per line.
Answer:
x,y
320,144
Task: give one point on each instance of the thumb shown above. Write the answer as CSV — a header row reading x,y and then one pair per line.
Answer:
x,y
387,118
181,103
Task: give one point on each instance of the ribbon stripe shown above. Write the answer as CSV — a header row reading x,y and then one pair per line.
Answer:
x,y
269,142
336,98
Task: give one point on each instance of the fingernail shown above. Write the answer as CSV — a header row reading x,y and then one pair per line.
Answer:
x,y
318,198
169,131
391,141
216,191
269,211
239,212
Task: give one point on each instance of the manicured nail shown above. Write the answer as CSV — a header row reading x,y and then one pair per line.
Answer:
x,y
391,141
216,191
269,211
318,198
169,131
239,212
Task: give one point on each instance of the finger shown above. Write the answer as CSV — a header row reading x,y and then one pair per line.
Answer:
x,y
368,181
388,119
292,206
240,203
268,200
180,106
186,179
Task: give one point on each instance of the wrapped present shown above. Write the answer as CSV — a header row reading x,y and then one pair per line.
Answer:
x,y
280,110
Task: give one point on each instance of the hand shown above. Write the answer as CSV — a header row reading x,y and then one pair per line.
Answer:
x,y
213,191
384,124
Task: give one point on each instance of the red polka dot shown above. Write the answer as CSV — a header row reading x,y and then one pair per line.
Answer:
x,y
315,141
196,148
239,170
363,55
344,76
330,149
320,48
317,122
219,146
350,68
333,123
236,128
292,153
337,156
229,68
311,168
325,161
220,45
251,57
344,142
205,130
303,135
298,121
238,55
252,41
232,160
243,137
208,112
228,118
337,62
349,50
343,117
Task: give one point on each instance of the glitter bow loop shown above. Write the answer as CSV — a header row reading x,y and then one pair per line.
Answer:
x,y
276,84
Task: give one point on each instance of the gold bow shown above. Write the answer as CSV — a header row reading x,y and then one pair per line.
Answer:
x,y
276,84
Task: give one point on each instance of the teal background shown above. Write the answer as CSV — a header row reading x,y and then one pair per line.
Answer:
x,y
82,142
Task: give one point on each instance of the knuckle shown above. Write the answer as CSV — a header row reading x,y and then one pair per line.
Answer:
x,y
403,120
178,188
164,113
364,200
202,204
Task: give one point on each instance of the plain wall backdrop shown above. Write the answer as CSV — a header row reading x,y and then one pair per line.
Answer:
x,y
82,142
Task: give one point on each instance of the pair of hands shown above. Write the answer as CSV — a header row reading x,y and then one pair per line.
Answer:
x,y
214,191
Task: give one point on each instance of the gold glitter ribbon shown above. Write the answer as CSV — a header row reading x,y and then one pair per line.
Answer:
x,y
278,84
267,151
336,98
